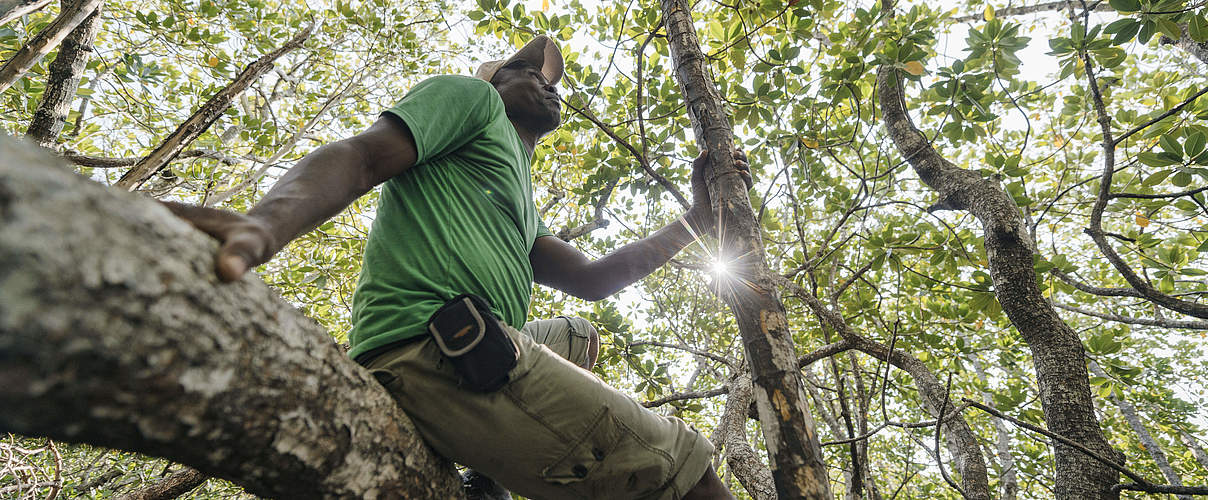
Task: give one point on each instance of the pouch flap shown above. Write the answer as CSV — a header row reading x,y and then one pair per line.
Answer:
x,y
457,327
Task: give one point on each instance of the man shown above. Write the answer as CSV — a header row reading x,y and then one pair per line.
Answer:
x,y
456,216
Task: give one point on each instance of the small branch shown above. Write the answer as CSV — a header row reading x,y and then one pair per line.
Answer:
x,y
1094,290
687,395
102,162
1162,322
1160,117
685,348
1062,439
668,185
1180,194
1032,9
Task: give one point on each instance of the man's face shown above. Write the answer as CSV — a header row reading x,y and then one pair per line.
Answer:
x,y
530,101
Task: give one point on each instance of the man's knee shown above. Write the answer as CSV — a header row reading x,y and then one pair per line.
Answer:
x,y
585,329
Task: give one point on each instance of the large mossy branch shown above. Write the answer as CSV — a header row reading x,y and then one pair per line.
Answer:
x,y
114,331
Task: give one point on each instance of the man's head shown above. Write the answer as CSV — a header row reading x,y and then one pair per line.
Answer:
x,y
526,83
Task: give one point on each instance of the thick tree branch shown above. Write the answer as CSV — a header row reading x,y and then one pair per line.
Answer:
x,y
1095,227
115,331
201,120
45,41
1057,351
102,162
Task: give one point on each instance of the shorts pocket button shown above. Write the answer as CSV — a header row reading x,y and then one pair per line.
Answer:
x,y
579,470
598,453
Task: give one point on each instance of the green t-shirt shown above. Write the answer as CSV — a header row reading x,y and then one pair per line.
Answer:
x,y
462,220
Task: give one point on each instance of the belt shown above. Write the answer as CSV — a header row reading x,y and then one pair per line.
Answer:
x,y
366,357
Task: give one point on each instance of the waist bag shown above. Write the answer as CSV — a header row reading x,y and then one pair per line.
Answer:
x,y
475,342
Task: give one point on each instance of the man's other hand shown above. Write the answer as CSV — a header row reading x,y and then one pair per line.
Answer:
x,y
245,241
702,205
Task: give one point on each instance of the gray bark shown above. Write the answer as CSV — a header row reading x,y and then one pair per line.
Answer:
x,y
1057,352
115,331
1151,446
205,116
1196,450
63,82
788,428
740,457
45,41
13,9
1007,475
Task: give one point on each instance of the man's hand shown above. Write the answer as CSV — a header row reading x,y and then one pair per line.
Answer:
x,y
702,205
246,241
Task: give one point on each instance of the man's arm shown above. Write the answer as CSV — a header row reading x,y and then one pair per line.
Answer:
x,y
559,265
322,184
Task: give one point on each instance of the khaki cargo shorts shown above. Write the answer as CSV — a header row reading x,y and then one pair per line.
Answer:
x,y
554,431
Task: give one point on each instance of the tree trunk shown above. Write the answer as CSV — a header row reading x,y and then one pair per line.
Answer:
x,y
1008,482
205,116
1151,446
64,80
13,9
45,41
115,331
789,433
1057,351
176,484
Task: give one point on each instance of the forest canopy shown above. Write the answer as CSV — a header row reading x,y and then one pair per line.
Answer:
x,y
986,222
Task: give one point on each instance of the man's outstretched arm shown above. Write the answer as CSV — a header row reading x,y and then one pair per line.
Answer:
x,y
322,184
559,265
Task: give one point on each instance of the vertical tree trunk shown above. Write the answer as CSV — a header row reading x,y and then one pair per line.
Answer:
x,y
1151,446
64,80
1057,351
205,116
1007,475
45,41
788,428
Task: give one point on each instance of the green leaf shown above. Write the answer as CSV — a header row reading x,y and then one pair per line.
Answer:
x,y
1169,28
1171,145
1195,144
1181,179
1197,27
1155,160
1125,5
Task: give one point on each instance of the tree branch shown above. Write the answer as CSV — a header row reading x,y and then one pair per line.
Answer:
x,y
115,331
1162,322
201,120
63,81
13,9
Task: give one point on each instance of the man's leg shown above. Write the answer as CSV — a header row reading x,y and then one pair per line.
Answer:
x,y
573,338
554,431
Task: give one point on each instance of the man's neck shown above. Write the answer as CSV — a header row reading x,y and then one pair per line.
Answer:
x,y
527,137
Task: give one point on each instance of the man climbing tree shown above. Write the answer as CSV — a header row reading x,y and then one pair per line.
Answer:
x,y
458,243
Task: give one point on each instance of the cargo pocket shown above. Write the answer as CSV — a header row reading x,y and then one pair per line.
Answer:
x,y
610,462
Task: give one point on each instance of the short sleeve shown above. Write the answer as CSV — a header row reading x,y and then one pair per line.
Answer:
x,y
446,112
541,229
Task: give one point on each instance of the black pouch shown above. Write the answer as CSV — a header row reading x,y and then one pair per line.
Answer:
x,y
474,341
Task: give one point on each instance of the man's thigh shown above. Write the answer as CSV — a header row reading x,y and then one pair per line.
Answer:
x,y
554,431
